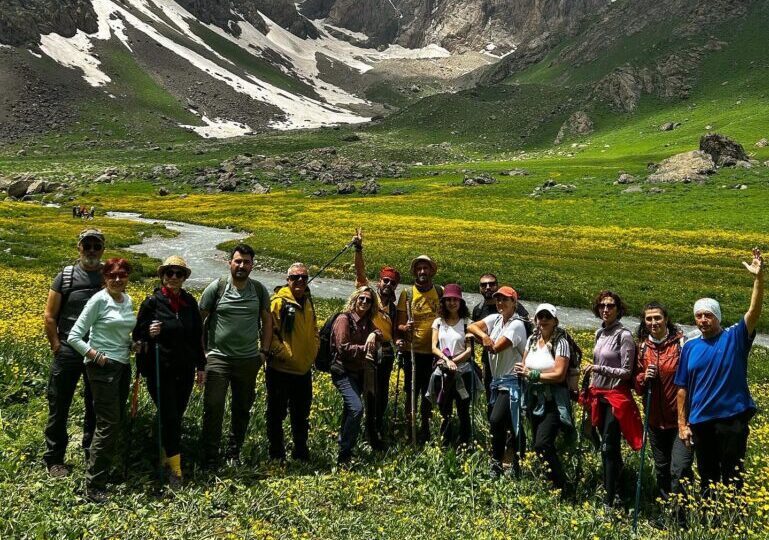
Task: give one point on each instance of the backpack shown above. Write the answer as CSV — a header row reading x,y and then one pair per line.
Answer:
x,y
326,354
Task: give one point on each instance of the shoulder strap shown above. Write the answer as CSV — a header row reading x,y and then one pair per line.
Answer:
x,y
439,290
220,287
67,278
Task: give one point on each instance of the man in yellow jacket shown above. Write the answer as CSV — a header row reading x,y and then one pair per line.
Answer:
x,y
295,343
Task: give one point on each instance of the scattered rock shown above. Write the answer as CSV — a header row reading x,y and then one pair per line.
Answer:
x,y
397,192
669,126
551,185
352,137
260,189
656,190
515,172
724,151
479,180
636,188
762,143
625,178
37,187
169,171
320,193
227,184
740,186
766,163
686,167
743,165
578,123
164,191
345,188
371,187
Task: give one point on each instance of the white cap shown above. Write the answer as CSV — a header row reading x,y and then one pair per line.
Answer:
x,y
550,308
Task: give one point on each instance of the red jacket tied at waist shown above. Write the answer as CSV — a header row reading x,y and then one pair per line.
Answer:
x,y
623,407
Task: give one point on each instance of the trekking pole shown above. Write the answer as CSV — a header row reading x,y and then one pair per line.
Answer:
x,y
131,420
413,376
160,422
647,400
329,263
581,430
398,367
521,412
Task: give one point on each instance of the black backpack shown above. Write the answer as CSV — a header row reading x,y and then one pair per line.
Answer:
x,y
325,356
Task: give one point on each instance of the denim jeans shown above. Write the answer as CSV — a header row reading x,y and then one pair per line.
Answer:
x,y
350,386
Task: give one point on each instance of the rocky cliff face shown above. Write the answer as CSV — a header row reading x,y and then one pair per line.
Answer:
x,y
23,21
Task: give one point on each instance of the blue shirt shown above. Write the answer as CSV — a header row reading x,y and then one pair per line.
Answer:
x,y
714,372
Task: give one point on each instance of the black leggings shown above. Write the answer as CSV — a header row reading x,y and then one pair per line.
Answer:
x,y
175,390
545,430
611,451
500,423
463,408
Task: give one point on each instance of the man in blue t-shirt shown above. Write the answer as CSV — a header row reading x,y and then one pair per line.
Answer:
x,y
714,402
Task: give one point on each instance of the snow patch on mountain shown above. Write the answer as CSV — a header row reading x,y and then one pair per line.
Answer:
x,y
75,52
219,128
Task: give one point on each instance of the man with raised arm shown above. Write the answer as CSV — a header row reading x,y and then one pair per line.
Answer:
x,y
714,402
376,401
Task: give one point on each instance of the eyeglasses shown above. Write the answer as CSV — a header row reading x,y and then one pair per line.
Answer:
x,y
122,274
488,284
607,307
365,300
297,277
171,273
92,246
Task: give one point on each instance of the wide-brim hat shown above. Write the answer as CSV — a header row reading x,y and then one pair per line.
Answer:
x,y
174,261
424,258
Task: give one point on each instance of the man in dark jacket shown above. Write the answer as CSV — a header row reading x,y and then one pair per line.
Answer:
x,y
70,291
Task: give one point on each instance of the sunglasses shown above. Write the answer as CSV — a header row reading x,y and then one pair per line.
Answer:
x,y
607,307
545,316
298,277
488,284
92,246
117,275
365,300
388,281
171,273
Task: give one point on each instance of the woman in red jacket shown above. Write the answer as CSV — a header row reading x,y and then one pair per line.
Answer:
x,y
659,350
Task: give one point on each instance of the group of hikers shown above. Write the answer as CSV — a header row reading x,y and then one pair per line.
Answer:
x,y
695,391
83,212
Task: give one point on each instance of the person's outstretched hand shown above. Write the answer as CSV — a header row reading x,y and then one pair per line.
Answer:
x,y
756,267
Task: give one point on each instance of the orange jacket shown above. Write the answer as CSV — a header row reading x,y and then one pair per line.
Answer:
x,y
663,413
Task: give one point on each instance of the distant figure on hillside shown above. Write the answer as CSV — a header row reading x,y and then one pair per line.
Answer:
x,y
421,301
71,289
384,319
714,402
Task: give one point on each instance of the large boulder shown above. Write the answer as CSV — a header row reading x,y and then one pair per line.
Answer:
x,y
691,166
37,187
371,187
724,151
260,189
18,188
345,188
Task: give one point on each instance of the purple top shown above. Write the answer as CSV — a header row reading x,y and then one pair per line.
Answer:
x,y
613,356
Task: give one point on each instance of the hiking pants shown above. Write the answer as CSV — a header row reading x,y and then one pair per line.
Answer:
x,y
500,423
67,369
110,385
545,430
350,386
376,401
487,381
446,407
288,393
672,460
611,452
222,373
425,406
175,389
720,446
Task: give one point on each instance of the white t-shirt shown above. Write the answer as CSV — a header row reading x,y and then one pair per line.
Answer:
x,y
451,337
502,363
541,359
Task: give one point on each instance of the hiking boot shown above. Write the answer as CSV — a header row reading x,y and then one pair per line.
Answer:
x,y
58,470
232,457
175,481
495,471
378,445
300,453
96,495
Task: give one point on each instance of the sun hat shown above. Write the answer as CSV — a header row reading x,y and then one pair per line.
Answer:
x,y
174,260
508,291
424,258
452,290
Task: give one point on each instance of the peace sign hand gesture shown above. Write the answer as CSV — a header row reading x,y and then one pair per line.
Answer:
x,y
756,267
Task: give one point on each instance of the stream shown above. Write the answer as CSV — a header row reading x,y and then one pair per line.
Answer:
x,y
197,244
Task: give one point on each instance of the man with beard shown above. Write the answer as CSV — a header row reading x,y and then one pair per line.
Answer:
x,y
714,401
377,399
70,291
236,311
421,300
488,286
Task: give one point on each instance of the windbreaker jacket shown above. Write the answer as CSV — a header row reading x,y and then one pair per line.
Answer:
x,y
663,413
295,339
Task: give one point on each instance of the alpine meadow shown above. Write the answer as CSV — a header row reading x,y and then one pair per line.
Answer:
x,y
565,148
